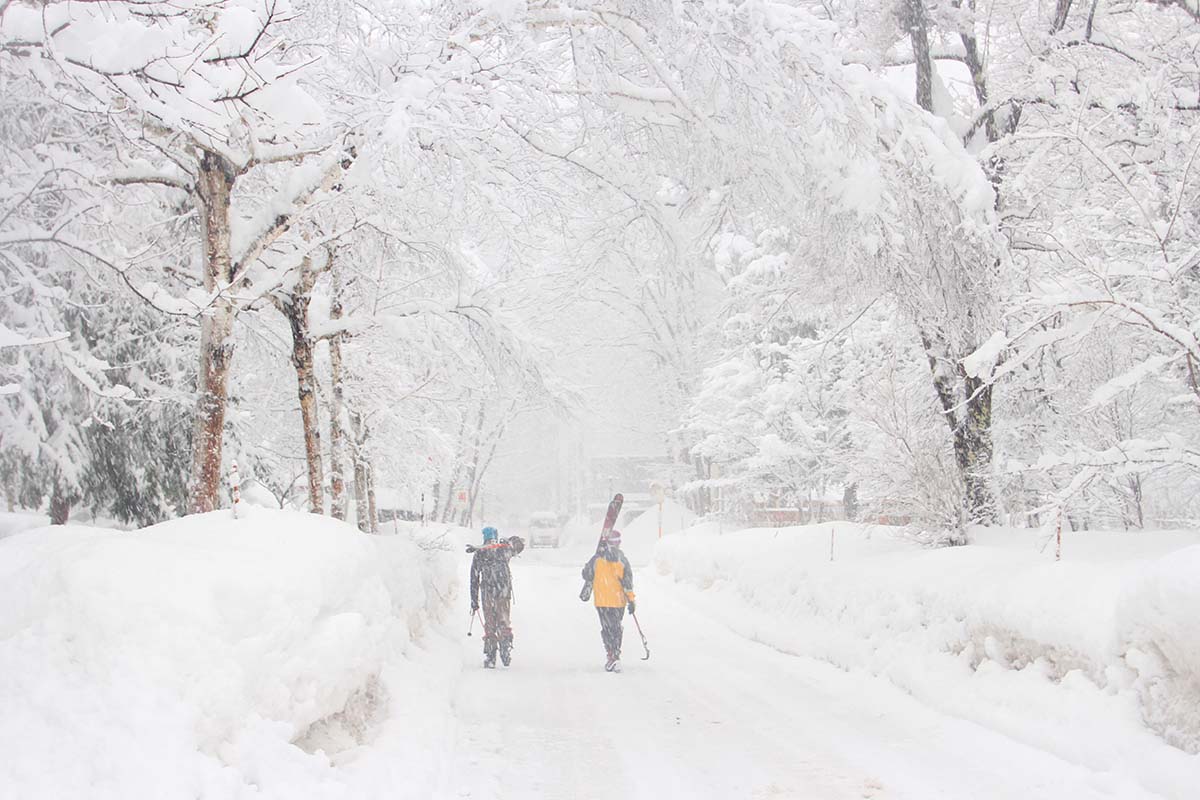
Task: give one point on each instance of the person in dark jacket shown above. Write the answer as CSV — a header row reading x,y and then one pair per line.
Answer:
x,y
610,577
491,586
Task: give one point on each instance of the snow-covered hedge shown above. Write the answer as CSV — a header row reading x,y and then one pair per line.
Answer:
x,y
1103,646
207,657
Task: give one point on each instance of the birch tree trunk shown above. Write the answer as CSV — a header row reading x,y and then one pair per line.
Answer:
x,y
362,505
372,509
295,308
214,187
337,435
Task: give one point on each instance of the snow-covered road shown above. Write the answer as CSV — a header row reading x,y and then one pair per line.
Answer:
x,y
712,715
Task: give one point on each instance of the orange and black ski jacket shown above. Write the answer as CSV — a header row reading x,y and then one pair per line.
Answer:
x,y
611,578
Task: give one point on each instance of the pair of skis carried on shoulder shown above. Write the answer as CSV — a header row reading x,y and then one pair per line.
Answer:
x,y
610,521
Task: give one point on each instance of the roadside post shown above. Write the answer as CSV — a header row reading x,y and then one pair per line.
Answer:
x,y
235,487
660,496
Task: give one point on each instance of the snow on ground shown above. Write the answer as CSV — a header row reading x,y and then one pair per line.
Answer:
x,y
279,655
14,522
714,715
1095,659
286,655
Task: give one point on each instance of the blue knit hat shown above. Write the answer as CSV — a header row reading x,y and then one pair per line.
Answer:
x,y
490,534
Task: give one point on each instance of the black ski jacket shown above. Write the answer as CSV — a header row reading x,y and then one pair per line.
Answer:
x,y
490,572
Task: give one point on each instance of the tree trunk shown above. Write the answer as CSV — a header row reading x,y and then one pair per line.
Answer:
x,y
447,514
295,308
970,426
973,451
214,186
995,166
470,484
917,24
60,505
362,505
477,478
976,458
1062,8
1134,512
702,499
372,509
850,501
337,435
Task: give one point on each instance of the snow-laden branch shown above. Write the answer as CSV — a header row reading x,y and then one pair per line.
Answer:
x,y
148,174
57,238
11,338
1133,455
251,240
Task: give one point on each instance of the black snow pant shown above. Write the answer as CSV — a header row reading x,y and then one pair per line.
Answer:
x,y
611,629
497,624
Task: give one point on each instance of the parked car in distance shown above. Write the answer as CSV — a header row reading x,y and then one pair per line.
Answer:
x,y
544,529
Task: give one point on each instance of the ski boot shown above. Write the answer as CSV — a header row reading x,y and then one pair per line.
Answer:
x,y
505,654
489,661
616,666
608,664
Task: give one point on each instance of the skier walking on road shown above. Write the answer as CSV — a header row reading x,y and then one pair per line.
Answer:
x,y
611,580
491,582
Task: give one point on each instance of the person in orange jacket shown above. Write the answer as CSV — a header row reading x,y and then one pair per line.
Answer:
x,y
611,580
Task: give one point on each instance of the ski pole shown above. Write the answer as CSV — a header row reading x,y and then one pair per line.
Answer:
x,y
645,644
472,625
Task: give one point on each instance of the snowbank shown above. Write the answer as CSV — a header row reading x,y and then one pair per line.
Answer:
x,y
1103,647
207,657
640,535
14,522
437,535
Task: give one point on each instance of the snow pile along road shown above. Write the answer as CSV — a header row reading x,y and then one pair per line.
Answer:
x,y
207,657
1095,658
14,522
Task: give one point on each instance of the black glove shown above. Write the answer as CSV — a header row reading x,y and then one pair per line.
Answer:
x,y
516,543
474,606
632,607
585,593
471,548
